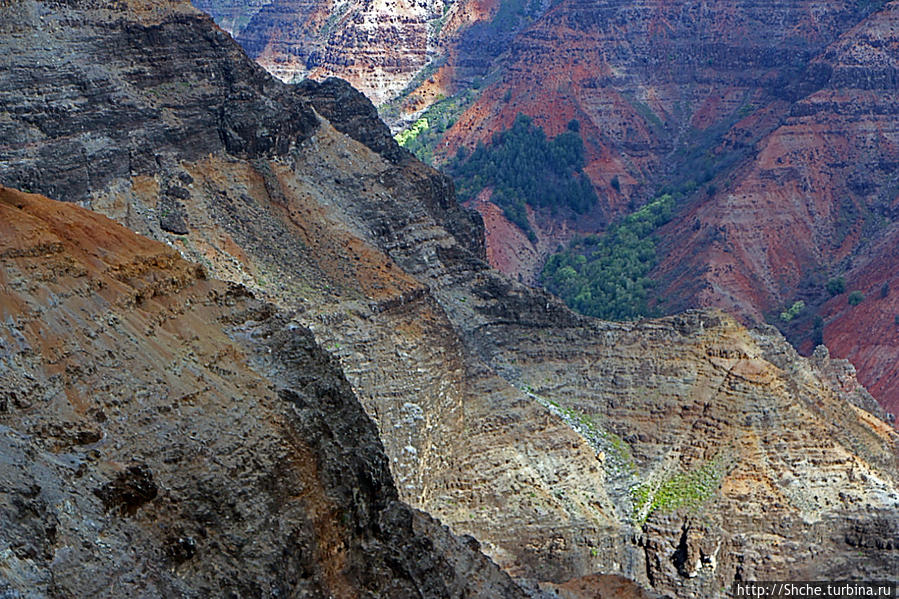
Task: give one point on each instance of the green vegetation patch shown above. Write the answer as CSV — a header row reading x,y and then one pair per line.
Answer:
x,y
607,276
405,137
836,286
685,490
648,115
619,459
793,311
440,116
524,167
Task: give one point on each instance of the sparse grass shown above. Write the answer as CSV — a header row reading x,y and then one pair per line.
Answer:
x,y
648,115
619,460
390,110
684,490
745,110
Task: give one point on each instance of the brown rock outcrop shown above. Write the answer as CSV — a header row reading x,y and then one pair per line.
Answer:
x,y
167,434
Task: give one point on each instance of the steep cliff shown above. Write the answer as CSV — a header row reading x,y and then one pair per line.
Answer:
x,y
169,435
656,86
776,121
378,46
414,53
816,200
867,333
233,15
567,447
649,78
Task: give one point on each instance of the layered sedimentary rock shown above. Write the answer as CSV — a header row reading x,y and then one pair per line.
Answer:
x,y
777,119
567,447
650,77
816,200
166,434
376,45
413,52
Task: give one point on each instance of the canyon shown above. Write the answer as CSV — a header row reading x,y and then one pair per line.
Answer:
x,y
778,123
775,121
303,268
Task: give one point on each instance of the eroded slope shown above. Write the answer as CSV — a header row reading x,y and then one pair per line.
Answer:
x,y
165,434
458,366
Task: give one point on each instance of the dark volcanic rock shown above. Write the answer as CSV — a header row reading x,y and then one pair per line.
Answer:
x,y
252,468
353,114
143,94
172,217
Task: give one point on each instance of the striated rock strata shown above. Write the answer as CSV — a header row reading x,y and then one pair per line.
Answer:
x,y
414,53
376,45
777,121
166,434
817,200
681,453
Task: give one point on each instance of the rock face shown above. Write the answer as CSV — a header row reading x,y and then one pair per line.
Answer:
x,y
417,52
868,333
778,121
234,15
681,453
165,434
778,104
376,45
816,200
648,78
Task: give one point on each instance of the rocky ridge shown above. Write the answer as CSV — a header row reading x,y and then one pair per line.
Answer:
x,y
500,411
167,434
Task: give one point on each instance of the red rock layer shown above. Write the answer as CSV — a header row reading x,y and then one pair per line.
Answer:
x,y
641,76
817,196
790,107
868,333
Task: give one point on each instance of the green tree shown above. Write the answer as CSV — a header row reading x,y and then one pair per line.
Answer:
x,y
818,332
836,286
524,168
607,276
793,312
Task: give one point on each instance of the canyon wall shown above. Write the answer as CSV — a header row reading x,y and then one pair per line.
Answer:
x,y
167,434
681,453
777,121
